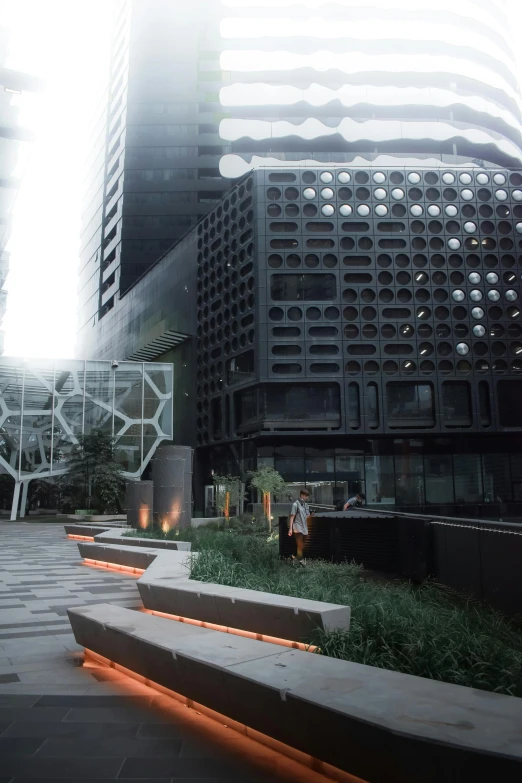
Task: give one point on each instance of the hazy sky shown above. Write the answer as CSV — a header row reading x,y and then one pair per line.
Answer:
x,y
66,43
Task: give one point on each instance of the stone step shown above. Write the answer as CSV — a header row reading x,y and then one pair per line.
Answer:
x,y
382,726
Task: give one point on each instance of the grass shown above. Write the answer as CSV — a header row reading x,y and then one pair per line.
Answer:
x,y
419,630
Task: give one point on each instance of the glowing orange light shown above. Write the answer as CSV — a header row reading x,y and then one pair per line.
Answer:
x,y
259,749
165,526
227,506
236,631
80,538
113,566
144,516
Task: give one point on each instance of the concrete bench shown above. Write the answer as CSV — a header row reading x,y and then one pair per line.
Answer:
x,y
136,557
89,531
279,616
118,536
165,587
379,725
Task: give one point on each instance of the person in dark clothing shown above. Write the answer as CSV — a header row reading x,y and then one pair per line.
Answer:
x,y
299,523
355,501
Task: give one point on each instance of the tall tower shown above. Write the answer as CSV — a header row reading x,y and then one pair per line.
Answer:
x,y
156,150
390,82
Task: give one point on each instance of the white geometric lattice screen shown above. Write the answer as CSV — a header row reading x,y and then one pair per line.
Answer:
x,y
44,406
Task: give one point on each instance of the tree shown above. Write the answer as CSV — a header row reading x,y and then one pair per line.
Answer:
x,y
268,482
227,493
94,474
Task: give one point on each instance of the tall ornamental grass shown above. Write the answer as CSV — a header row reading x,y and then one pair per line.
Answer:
x,y
420,630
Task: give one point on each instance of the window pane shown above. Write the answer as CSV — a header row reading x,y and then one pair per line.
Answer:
x,y
380,480
315,287
349,466
246,407
241,368
468,478
354,405
456,404
438,476
410,405
319,464
322,492
289,461
497,478
409,472
509,394
301,405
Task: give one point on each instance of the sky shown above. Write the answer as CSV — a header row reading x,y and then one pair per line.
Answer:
x,y
65,43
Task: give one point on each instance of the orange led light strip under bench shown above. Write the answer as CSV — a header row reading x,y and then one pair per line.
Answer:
x,y
236,631
255,747
114,567
80,538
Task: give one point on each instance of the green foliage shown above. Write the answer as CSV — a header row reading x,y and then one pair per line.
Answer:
x,y
224,484
424,631
266,479
94,479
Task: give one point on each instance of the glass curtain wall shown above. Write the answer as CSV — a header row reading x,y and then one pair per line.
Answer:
x,y
409,477
45,406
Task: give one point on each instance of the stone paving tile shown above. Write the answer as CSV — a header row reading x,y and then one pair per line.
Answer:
x,y
62,722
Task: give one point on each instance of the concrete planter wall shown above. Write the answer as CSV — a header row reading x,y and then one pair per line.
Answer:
x,y
382,726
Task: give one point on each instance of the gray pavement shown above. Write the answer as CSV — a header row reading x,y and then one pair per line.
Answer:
x,y
62,721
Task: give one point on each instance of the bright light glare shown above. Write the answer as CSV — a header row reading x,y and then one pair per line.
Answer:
x,y
66,44
360,30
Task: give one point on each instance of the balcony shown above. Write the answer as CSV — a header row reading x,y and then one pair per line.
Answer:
x,y
112,241
109,292
113,184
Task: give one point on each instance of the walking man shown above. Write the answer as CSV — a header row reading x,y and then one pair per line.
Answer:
x,y
353,502
298,523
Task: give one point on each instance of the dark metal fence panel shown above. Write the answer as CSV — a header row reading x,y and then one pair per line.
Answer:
x,y
457,561
372,542
477,558
415,553
501,570
319,544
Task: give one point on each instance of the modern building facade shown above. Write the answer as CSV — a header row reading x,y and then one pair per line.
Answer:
x,y
349,312
154,166
198,95
359,329
46,405
393,82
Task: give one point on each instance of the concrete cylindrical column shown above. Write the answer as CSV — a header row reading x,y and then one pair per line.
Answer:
x,y
139,504
172,478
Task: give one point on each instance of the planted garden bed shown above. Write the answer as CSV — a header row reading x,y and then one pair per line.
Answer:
x,y
420,630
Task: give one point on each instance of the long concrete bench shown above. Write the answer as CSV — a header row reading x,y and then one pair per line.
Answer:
x,y
381,726
136,557
118,536
279,616
165,587
89,531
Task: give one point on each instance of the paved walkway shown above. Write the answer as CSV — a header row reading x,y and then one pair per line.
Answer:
x,y
60,721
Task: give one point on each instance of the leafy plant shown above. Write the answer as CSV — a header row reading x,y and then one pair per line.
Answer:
x,y
94,478
227,491
268,482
